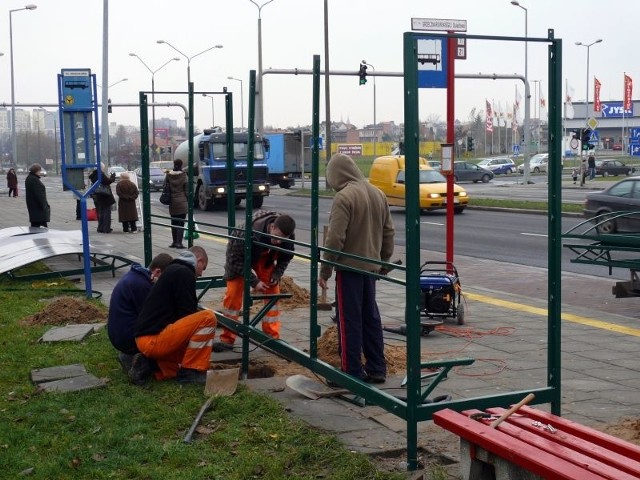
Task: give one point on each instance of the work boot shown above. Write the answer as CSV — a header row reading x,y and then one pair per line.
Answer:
x,y
375,378
126,361
190,375
222,347
141,369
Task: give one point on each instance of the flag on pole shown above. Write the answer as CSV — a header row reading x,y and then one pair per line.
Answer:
x,y
596,95
516,106
509,115
515,118
569,112
489,115
628,91
543,105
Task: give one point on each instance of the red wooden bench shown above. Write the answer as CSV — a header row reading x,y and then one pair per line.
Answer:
x,y
537,442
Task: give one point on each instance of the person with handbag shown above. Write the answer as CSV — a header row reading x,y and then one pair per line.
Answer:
x,y
103,198
127,210
12,182
177,180
36,193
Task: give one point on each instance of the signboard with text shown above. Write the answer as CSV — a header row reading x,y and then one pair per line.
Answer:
x,y
353,150
615,110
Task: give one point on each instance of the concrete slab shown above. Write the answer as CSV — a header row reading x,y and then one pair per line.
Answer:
x,y
75,384
68,333
40,375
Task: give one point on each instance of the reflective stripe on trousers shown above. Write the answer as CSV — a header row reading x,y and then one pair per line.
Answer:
x,y
186,343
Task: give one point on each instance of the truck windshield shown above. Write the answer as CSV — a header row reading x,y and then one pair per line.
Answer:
x,y
239,151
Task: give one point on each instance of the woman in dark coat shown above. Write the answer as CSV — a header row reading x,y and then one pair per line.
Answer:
x,y
127,212
12,182
103,201
36,195
177,180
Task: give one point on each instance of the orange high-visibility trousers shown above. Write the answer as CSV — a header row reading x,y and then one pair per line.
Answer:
x,y
232,302
185,343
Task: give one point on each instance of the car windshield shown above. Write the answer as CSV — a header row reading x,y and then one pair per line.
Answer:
x,y
239,151
538,158
484,163
154,172
117,169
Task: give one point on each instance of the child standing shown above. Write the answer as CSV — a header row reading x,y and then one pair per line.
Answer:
x,y
574,175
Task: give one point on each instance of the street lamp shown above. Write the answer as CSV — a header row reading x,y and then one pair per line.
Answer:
x,y
213,122
14,140
189,58
586,103
375,130
527,95
114,83
153,93
241,100
260,103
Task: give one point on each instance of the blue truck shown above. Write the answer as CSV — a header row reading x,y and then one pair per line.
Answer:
x,y
210,165
284,161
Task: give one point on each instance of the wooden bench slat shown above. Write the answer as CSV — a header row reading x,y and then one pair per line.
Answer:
x,y
605,440
512,449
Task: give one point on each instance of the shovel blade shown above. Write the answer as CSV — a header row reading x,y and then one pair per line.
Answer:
x,y
312,389
222,382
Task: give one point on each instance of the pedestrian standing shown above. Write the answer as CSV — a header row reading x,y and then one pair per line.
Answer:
x,y
36,196
12,182
360,225
177,180
127,211
591,164
103,198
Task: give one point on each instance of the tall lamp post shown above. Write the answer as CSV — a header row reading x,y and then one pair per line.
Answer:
x,y
527,95
375,124
14,140
213,121
241,101
153,93
586,103
260,103
104,129
189,58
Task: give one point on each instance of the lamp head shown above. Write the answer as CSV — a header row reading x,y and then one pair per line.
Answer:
x,y
578,43
598,41
177,59
31,6
219,46
133,55
515,2
160,41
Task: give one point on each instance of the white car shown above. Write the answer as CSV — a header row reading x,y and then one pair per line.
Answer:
x,y
43,172
118,171
537,163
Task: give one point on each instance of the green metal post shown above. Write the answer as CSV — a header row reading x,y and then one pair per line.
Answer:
x,y
554,356
314,329
146,200
190,226
231,191
412,313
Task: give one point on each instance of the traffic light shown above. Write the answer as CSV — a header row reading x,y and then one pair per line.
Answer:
x,y
363,74
469,144
585,138
109,105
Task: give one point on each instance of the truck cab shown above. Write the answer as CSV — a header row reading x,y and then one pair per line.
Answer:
x,y
210,162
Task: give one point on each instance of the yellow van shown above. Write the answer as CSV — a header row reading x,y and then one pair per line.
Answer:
x,y
388,174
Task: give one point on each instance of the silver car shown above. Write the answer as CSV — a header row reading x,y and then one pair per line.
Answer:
x,y
537,163
156,178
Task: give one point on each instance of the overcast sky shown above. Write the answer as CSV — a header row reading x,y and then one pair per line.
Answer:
x,y
68,34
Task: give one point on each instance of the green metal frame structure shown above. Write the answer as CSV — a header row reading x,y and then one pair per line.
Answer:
x,y
412,409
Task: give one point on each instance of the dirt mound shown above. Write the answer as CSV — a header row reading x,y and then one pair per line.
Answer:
x,y
627,429
300,296
67,311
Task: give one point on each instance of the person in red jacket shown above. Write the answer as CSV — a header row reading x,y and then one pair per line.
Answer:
x,y
171,329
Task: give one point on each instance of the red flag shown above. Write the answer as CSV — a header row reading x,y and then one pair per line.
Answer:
x,y
489,117
628,91
596,95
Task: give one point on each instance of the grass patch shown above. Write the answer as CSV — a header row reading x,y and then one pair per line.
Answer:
x,y
122,431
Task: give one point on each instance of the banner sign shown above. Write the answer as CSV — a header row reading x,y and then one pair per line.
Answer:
x,y
615,110
353,150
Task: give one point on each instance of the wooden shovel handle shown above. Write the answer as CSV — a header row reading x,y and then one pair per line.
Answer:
x,y
512,410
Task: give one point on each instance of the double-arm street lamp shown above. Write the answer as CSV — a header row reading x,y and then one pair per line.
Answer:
x,y
189,58
153,92
375,124
586,103
259,93
527,94
14,141
241,100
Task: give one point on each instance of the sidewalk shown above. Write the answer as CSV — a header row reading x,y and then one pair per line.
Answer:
x,y
505,331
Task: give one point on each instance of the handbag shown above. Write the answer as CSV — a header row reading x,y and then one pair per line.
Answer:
x,y
102,189
165,197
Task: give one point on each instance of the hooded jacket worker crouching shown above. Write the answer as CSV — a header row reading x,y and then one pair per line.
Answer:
x,y
170,329
267,267
359,224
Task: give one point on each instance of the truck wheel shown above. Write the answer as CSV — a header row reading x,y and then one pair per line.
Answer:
x,y
204,203
257,201
285,184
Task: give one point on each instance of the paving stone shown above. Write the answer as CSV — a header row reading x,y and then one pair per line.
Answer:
x,y
69,333
40,375
75,384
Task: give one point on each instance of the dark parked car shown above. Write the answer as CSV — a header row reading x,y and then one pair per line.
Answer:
x,y
607,167
621,197
467,171
156,178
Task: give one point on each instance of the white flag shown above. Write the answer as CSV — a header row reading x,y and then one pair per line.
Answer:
x,y
517,107
543,105
569,112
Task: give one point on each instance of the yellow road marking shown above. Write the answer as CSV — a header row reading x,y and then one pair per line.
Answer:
x,y
567,317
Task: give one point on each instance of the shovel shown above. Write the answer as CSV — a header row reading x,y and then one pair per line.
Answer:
x,y
312,389
220,383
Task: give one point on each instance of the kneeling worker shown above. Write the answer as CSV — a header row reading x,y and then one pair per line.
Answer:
x,y
170,329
